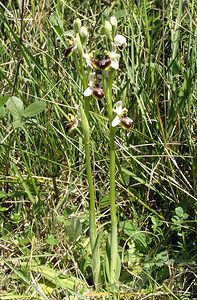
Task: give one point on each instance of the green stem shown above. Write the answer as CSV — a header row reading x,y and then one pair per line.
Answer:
x,y
80,68
94,240
113,241
92,217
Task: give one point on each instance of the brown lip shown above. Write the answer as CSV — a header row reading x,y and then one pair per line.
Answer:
x,y
126,122
68,51
98,92
69,126
101,64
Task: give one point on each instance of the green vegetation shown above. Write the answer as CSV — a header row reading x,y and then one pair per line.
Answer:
x,y
90,210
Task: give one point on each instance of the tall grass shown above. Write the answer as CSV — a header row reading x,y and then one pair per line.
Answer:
x,y
44,194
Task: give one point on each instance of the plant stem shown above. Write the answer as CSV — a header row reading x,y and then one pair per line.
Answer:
x,y
94,241
114,241
92,217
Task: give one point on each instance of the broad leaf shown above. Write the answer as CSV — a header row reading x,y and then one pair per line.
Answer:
x,y
2,112
58,279
17,123
3,100
15,107
33,109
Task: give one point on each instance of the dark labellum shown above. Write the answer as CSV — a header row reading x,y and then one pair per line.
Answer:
x,y
69,126
68,51
126,122
103,64
98,92
120,48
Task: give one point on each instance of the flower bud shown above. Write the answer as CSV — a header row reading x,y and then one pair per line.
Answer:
x,y
114,21
108,29
83,32
77,25
79,45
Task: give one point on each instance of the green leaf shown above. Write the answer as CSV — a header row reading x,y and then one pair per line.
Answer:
x,y
17,123
107,258
51,240
15,107
58,279
179,211
2,208
56,21
104,202
3,100
2,112
33,109
11,296
161,259
96,263
73,229
3,194
141,238
128,227
107,262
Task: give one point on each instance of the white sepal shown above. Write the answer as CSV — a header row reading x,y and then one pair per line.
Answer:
x,y
88,91
116,121
118,108
88,59
113,21
120,40
115,64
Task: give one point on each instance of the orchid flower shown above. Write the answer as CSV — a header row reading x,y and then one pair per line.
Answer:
x,y
68,52
72,123
93,87
120,41
114,57
111,60
121,118
103,64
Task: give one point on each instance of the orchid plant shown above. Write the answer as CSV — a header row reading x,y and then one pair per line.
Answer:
x,y
99,86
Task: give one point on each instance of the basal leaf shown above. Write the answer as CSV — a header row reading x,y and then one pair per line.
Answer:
x,y
3,100
33,109
15,107
2,112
